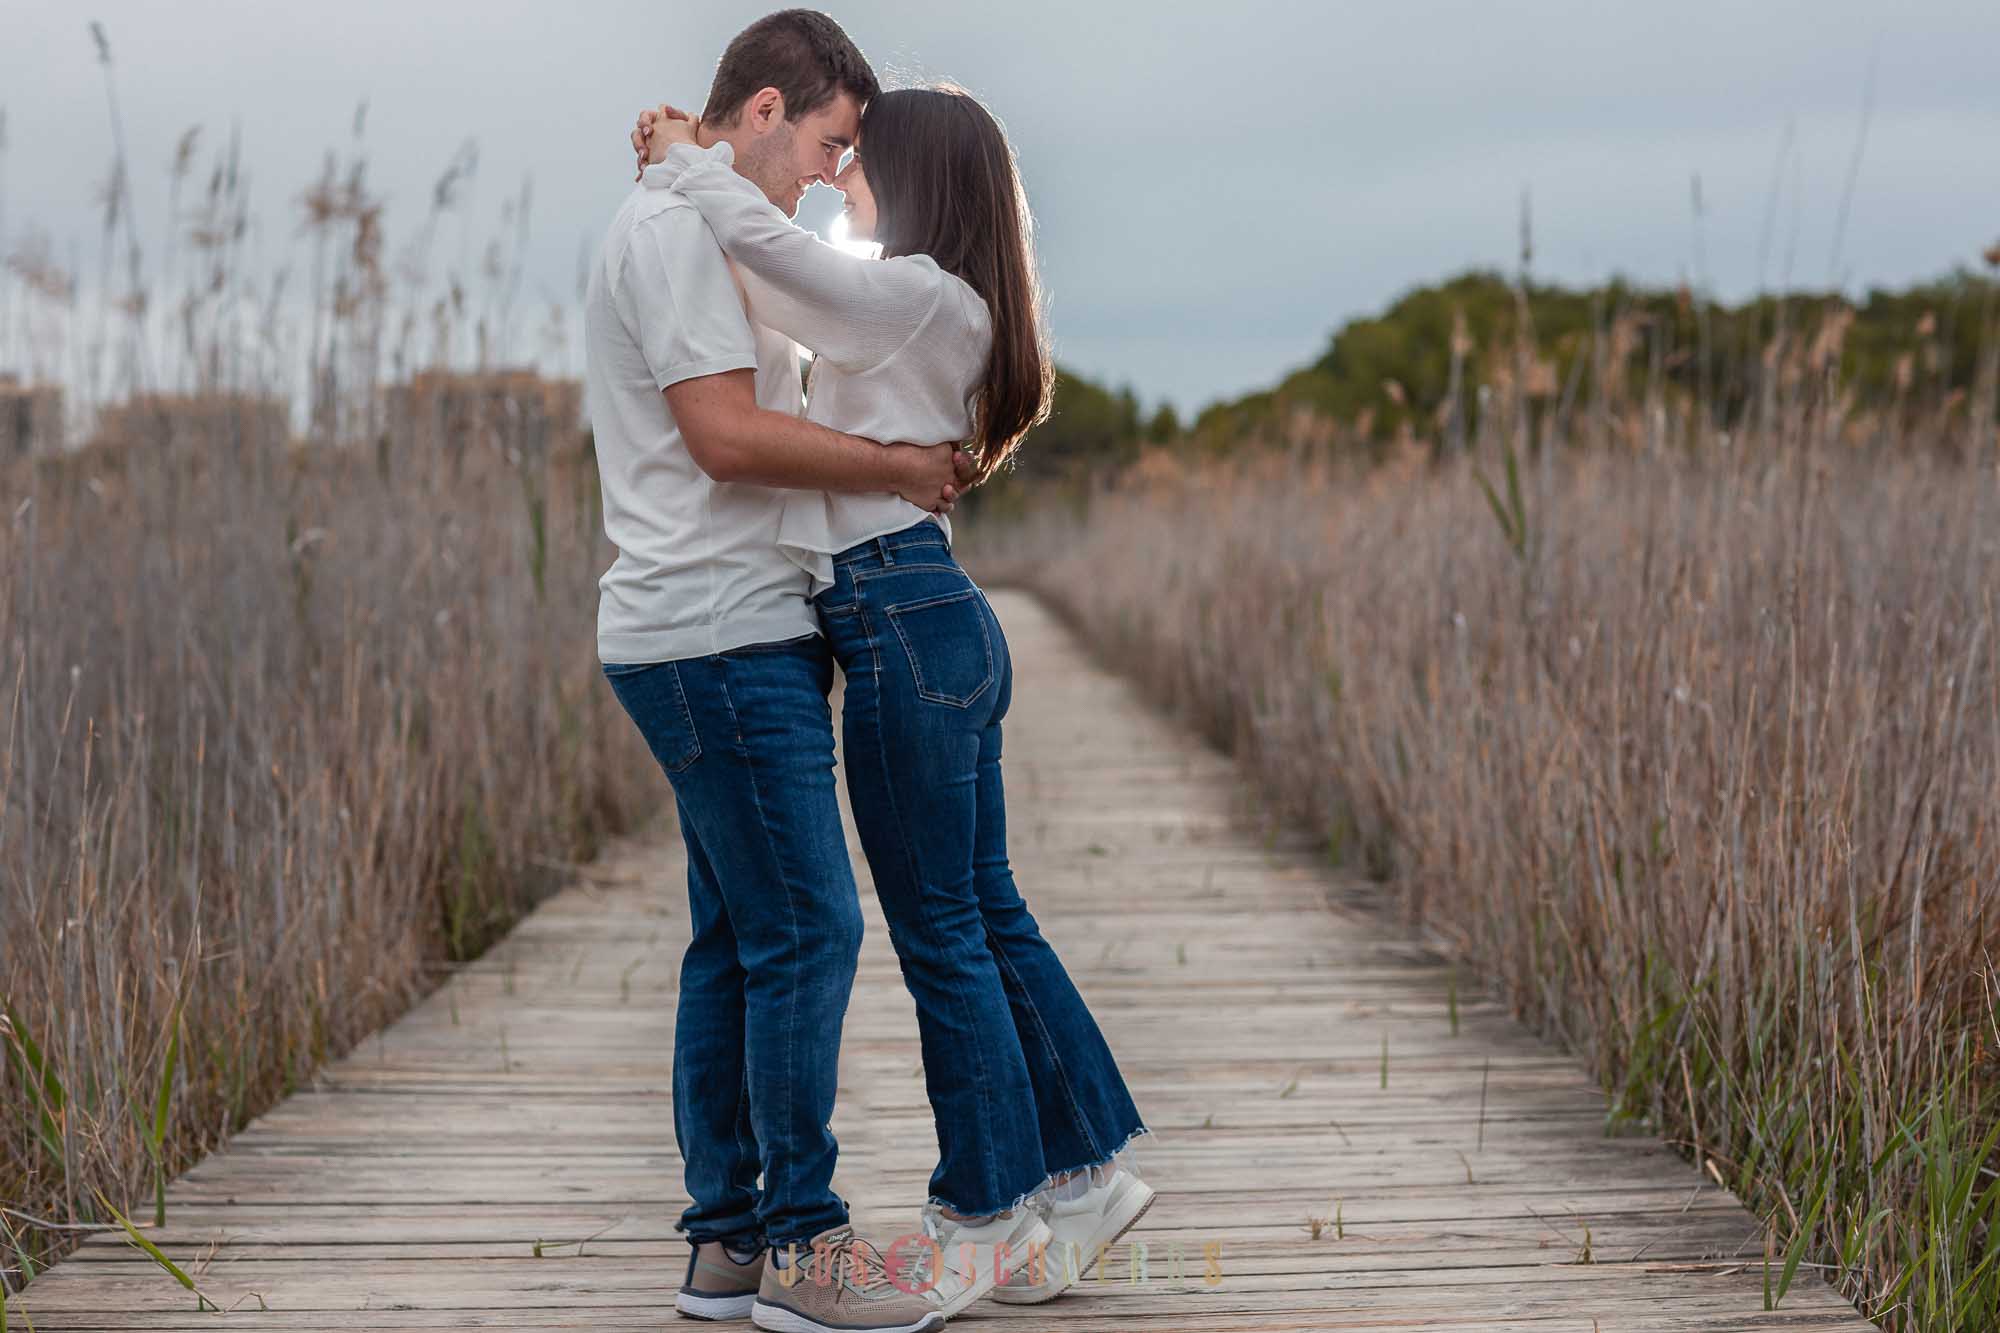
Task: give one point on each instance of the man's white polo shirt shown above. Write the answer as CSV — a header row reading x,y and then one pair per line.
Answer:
x,y
698,568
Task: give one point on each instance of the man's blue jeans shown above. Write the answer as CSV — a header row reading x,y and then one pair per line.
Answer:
x,y
1020,1078
746,739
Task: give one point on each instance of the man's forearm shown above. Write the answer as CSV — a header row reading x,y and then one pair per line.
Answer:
x,y
777,449
733,439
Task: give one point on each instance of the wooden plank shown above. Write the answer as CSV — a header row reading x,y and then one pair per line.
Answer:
x,y
527,1102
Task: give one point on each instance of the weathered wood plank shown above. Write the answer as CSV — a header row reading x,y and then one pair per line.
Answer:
x,y
528,1102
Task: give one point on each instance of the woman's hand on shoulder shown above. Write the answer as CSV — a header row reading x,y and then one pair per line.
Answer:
x,y
660,128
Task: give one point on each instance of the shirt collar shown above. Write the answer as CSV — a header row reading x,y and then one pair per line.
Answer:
x,y
662,174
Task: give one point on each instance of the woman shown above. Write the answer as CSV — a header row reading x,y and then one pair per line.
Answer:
x,y
940,339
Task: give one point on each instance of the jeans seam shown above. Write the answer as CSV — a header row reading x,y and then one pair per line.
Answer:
x,y
1042,1029
992,1171
687,718
1081,1122
743,1111
862,576
791,907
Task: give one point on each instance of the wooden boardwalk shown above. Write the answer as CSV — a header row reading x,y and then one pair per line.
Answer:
x,y
503,1156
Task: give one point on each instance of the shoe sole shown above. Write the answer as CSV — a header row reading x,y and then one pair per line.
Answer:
x,y
778,1319
1038,1235
691,1306
1104,1239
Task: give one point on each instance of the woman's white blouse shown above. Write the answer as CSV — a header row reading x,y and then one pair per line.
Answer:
x,y
902,345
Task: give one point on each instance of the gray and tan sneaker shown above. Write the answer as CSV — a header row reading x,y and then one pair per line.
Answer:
x,y
838,1284
717,1286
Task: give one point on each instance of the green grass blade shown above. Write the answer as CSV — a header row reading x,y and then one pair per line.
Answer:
x,y
153,1251
160,1106
1493,501
35,1072
1797,1249
166,1082
31,1055
1515,506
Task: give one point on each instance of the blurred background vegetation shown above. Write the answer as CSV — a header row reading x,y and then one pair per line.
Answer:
x,y
1643,649
1411,370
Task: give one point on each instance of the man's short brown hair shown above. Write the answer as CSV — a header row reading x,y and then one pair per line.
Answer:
x,y
800,52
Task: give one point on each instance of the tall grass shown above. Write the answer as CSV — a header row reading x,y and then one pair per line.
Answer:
x,y
280,734
286,727
1688,738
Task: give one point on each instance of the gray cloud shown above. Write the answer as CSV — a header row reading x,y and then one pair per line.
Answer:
x,y
1217,187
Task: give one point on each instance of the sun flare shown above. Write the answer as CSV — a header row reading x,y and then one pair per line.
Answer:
x,y
837,236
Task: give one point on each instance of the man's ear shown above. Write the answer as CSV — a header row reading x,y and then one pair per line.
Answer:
x,y
765,109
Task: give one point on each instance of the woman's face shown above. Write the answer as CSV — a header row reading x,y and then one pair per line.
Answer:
x,y
852,181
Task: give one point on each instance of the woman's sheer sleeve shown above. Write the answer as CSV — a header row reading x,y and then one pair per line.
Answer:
x,y
855,312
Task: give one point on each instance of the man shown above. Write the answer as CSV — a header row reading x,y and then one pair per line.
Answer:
x,y
711,646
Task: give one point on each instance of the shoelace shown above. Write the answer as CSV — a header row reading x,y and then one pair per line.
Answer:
x,y
916,1259
857,1264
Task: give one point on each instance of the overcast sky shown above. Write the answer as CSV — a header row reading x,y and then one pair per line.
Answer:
x,y
1218,186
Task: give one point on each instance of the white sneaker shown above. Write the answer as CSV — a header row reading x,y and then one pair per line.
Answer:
x,y
1081,1230
969,1261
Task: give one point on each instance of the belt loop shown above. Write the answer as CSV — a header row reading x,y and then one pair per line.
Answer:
x,y
887,551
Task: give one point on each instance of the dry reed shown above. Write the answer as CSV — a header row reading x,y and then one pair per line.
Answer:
x,y
284,733
1689,741
285,729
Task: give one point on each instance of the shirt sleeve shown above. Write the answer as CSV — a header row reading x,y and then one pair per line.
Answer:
x,y
855,312
681,301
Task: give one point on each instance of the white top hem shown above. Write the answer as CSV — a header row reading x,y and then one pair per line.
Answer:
x,y
818,564
623,647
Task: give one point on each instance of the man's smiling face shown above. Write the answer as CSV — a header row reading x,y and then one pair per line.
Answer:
x,y
791,155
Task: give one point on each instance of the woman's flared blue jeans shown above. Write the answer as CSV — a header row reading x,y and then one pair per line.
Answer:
x,y
1020,1078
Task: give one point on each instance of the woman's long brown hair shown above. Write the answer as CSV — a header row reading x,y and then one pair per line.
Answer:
x,y
945,185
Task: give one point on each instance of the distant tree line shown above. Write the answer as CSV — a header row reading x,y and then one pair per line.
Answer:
x,y
1421,365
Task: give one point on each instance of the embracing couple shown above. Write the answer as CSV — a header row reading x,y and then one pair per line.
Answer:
x,y
764,535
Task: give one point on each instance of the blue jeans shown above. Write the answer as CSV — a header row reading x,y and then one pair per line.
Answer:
x,y
1020,1079
746,739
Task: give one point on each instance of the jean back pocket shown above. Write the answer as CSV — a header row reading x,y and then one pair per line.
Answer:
x,y
949,646
651,694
